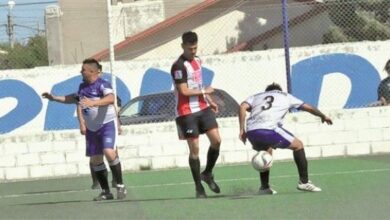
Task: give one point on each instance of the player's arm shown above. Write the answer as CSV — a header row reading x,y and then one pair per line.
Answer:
x,y
244,107
314,111
213,105
80,117
106,100
68,99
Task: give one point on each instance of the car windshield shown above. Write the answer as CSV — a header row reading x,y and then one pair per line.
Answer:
x,y
133,109
149,105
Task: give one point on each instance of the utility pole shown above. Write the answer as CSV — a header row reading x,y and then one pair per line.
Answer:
x,y
10,24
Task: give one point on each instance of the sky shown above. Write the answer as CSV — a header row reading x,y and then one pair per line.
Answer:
x,y
29,13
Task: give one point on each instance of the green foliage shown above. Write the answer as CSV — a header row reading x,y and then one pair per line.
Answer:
x,y
358,20
29,55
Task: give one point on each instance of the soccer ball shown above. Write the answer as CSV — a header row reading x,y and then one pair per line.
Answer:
x,y
262,161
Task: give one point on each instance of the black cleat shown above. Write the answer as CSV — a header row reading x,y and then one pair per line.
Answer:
x,y
200,193
266,191
104,196
209,179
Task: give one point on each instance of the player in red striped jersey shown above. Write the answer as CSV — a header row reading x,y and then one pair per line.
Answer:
x,y
195,111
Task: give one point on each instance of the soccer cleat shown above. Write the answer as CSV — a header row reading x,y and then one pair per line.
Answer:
x,y
209,179
95,185
104,196
200,193
121,191
309,186
266,191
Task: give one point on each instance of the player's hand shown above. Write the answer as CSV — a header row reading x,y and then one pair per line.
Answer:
x,y
48,96
327,120
214,107
86,102
83,129
242,136
208,89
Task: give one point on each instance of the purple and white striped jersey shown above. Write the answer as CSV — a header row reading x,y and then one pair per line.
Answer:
x,y
96,117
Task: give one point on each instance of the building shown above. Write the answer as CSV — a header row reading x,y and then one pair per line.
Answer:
x,y
152,29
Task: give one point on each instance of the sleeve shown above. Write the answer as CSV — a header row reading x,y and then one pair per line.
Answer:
x,y
106,88
249,100
178,73
294,101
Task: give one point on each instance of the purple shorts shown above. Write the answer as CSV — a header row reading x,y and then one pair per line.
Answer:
x,y
262,139
103,138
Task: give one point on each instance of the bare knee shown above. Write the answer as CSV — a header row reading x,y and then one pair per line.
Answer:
x,y
296,144
215,144
96,160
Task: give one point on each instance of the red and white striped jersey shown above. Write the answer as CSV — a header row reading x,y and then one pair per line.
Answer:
x,y
190,72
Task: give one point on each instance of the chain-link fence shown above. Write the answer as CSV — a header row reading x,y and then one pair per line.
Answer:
x,y
240,43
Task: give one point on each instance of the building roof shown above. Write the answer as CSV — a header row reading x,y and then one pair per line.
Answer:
x,y
134,45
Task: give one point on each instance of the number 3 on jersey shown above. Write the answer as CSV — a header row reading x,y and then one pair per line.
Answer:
x,y
268,102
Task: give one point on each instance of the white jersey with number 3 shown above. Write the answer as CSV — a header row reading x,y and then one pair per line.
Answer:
x,y
269,108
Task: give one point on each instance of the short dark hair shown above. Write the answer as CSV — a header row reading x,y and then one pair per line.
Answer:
x,y
273,86
387,66
189,37
93,62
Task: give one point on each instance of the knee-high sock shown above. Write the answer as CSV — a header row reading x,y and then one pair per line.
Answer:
x,y
264,179
212,157
101,175
116,170
301,162
195,170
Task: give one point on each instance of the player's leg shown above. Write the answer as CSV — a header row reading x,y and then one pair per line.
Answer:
x,y
95,152
212,157
194,162
265,188
187,127
101,174
208,124
265,139
95,182
113,181
302,165
108,138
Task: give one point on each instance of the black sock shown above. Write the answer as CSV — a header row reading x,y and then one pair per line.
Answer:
x,y
301,162
101,176
212,157
264,179
93,175
116,170
195,170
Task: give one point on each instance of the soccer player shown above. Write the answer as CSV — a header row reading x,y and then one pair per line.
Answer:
x,y
83,131
195,111
96,98
265,132
384,87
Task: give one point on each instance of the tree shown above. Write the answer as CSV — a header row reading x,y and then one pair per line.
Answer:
x,y
29,55
358,20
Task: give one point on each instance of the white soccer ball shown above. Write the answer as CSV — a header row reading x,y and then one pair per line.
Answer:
x,y
262,161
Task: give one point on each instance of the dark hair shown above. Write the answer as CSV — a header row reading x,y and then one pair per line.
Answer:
x,y
273,86
189,38
93,62
387,66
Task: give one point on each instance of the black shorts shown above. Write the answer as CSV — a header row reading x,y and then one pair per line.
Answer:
x,y
192,125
